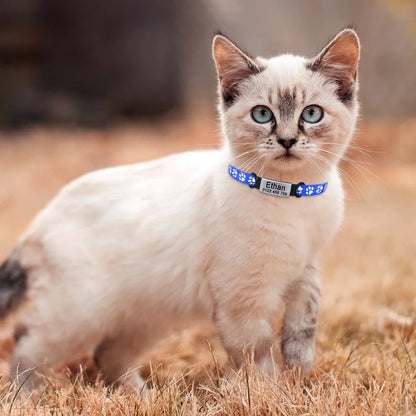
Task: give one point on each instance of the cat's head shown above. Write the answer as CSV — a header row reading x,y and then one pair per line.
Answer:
x,y
288,114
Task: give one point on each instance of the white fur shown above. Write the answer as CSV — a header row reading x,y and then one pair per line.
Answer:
x,y
122,254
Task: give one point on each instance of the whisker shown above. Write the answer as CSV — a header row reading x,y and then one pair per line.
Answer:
x,y
245,153
247,162
360,149
358,166
261,171
314,164
250,162
347,159
247,144
347,177
256,161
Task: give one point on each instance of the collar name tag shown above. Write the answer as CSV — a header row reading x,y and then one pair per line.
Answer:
x,y
271,187
276,188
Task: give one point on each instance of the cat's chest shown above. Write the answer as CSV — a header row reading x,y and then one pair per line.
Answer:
x,y
286,225
283,229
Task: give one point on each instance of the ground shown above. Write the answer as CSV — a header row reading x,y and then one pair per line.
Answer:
x,y
366,355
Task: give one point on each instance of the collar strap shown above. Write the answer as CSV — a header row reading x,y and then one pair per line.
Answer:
x,y
277,188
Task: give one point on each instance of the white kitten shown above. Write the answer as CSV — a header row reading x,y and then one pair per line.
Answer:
x,y
122,253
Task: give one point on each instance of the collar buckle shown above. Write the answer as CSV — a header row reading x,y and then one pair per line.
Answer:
x,y
294,189
257,181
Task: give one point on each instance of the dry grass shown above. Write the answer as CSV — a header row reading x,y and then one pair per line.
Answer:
x,y
366,355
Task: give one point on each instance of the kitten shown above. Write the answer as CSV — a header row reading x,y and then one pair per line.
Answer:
x,y
122,253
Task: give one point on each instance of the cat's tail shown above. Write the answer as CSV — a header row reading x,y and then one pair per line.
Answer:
x,y
13,282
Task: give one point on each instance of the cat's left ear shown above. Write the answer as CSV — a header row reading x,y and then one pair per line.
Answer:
x,y
339,62
233,66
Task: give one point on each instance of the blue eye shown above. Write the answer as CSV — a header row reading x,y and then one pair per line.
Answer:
x,y
312,113
261,114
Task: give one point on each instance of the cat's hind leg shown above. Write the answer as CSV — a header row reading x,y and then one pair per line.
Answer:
x,y
116,358
36,351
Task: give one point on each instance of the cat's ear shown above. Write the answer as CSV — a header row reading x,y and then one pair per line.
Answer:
x,y
233,66
339,62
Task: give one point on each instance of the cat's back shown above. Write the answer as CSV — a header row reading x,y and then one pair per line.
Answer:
x,y
111,218
122,192
145,179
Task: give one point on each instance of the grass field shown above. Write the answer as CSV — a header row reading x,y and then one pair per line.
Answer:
x,y
366,347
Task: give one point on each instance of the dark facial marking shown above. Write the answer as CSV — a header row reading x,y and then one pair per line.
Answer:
x,y
301,126
269,97
256,69
269,143
274,126
346,96
228,99
231,93
303,95
286,104
345,90
314,65
317,131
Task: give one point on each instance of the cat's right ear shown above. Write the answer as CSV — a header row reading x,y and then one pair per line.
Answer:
x,y
233,66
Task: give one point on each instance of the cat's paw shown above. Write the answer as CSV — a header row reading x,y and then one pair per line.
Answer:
x,y
305,366
268,365
298,353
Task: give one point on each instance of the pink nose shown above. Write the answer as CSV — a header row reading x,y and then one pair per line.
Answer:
x,y
287,143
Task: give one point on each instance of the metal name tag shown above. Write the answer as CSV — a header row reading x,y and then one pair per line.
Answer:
x,y
268,186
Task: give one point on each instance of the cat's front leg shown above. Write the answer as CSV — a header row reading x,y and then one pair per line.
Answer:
x,y
246,336
300,321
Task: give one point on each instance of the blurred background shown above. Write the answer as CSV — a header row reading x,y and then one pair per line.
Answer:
x,y
86,84
92,62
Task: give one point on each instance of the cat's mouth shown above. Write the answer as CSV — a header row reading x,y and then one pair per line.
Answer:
x,y
287,156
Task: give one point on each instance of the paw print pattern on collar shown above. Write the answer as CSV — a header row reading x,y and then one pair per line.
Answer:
x,y
276,188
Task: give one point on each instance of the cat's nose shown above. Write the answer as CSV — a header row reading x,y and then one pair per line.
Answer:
x,y
287,143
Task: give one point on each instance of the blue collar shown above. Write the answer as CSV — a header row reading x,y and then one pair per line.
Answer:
x,y
277,188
